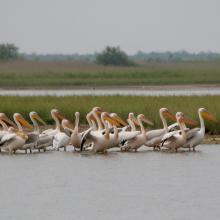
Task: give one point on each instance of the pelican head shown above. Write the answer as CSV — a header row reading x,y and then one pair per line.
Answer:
x,y
180,117
144,119
107,117
5,119
185,120
132,118
66,124
77,114
206,115
166,113
35,116
118,119
55,113
97,110
19,118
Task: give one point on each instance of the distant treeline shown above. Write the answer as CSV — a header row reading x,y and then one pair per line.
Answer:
x,y
138,57
109,56
59,57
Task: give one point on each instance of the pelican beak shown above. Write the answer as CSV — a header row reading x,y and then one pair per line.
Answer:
x,y
60,116
209,117
98,111
190,122
38,118
134,120
147,121
66,123
111,120
169,115
25,123
119,120
8,121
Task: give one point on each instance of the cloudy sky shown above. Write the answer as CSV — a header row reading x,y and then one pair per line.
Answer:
x,y
84,26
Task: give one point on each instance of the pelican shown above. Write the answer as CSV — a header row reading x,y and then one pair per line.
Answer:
x,y
174,140
125,135
100,140
195,136
15,140
76,137
5,121
154,137
33,137
140,139
57,117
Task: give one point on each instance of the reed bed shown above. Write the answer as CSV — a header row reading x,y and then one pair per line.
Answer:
x,y
122,105
69,74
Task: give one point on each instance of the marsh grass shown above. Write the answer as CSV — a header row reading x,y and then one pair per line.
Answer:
x,y
67,74
119,104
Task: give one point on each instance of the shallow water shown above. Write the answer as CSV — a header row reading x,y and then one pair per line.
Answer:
x,y
117,91
142,185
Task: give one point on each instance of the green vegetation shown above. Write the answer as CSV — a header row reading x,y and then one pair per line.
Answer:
x,y
140,56
119,104
8,52
69,74
113,56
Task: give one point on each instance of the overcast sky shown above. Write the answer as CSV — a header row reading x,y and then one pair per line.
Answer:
x,y
86,26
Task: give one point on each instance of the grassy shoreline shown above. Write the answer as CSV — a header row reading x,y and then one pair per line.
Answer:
x,y
122,105
68,74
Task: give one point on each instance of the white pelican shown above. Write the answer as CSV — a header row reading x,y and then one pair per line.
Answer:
x,y
100,140
140,139
131,121
154,137
125,135
195,136
175,139
33,137
15,140
5,121
57,117
76,136
61,140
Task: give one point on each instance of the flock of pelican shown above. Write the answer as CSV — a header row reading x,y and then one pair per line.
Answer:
x,y
106,131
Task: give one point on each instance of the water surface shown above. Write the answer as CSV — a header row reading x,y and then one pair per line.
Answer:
x,y
125,186
188,91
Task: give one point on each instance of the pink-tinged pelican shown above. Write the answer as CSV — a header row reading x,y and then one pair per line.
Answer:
x,y
125,135
100,140
15,140
33,137
57,117
140,139
5,122
76,136
195,136
154,137
175,139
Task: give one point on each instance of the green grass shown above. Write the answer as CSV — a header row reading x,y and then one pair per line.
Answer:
x,y
68,74
119,104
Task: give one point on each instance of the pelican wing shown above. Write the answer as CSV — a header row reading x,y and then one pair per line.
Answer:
x,y
32,138
191,133
170,137
61,140
173,127
127,135
7,137
85,135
